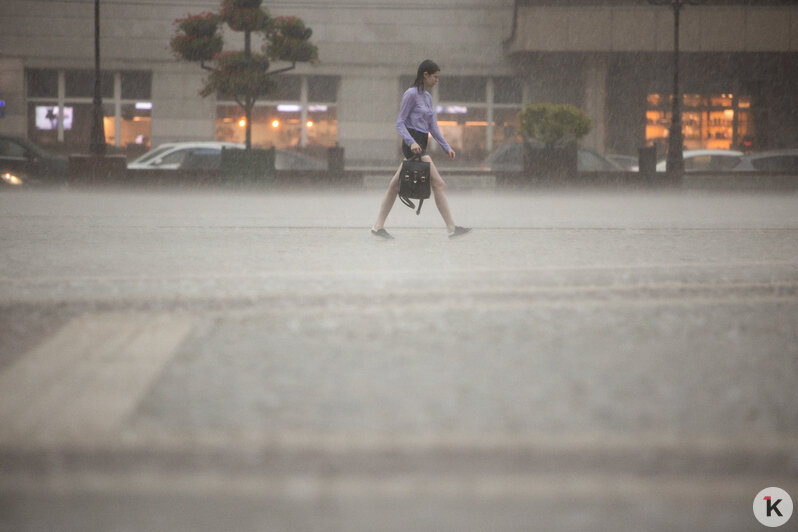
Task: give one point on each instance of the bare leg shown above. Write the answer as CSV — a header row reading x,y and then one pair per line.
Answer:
x,y
439,191
388,200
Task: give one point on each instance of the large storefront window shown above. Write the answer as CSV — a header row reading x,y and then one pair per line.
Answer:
x,y
464,128
60,109
477,114
300,115
713,121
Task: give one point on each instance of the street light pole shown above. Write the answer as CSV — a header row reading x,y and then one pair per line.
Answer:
x,y
97,144
675,159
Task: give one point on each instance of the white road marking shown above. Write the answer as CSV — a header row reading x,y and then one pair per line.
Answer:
x,y
87,377
387,273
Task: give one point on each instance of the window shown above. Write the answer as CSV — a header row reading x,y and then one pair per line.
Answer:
x,y
478,114
288,87
42,83
709,121
462,88
174,158
80,84
507,90
136,85
300,114
64,122
323,88
11,149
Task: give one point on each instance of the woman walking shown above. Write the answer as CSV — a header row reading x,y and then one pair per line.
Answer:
x,y
415,122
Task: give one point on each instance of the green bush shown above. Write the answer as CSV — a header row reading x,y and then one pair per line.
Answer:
x,y
554,124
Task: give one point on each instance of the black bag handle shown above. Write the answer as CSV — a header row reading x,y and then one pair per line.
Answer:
x,y
410,204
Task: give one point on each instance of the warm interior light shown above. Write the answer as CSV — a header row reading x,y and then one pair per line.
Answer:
x,y
310,123
242,122
275,123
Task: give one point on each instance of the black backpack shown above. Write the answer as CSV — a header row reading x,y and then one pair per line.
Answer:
x,y
414,182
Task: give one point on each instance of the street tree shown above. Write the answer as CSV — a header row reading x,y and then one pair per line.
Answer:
x,y
243,75
553,124
558,127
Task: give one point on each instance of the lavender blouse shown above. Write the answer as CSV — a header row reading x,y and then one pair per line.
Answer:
x,y
416,112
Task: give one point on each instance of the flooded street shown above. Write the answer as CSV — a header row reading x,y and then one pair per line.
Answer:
x,y
223,359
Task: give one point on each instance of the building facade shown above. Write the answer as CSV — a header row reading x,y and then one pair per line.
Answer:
x,y
738,69
611,58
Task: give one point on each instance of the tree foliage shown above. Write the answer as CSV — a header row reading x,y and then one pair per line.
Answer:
x,y
554,124
244,75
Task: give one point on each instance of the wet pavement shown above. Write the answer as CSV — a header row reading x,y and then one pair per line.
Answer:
x,y
247,360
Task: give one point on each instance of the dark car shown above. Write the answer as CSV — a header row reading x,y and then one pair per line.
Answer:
x,y
510,158
24,163
780,161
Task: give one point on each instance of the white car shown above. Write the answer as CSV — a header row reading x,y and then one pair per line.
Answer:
x,y
706,160
781,161
208,155
171,155
510,158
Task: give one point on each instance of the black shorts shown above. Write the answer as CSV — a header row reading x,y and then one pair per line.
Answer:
x,y
420,138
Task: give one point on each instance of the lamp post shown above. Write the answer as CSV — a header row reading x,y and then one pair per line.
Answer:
x,y
97,143
675,159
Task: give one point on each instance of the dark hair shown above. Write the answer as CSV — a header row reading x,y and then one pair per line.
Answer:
x,y
430,67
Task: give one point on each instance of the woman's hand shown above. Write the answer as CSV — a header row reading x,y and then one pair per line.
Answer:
x,y
415,148
451,154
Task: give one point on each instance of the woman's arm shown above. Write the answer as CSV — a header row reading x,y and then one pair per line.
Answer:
x,y
404,112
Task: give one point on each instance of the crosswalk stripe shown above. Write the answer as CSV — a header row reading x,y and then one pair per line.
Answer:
x,y
88,376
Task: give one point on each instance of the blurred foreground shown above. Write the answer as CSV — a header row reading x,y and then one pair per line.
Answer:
x,y
223,360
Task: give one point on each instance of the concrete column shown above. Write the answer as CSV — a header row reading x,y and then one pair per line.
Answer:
x,y
12,90
489,116
596,101
367,107
303,113
178,112
61,97
117,109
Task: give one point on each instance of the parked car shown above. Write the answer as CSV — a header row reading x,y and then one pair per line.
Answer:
x,y
208,155
706,160
171,155
627,162
770,161
510,158
24,163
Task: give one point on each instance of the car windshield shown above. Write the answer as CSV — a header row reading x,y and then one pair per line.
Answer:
x,y
587,161
177,156
20,146
508,154
152,154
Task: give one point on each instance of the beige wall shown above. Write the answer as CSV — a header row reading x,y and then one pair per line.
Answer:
x,y
368,43
650,28
12,90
